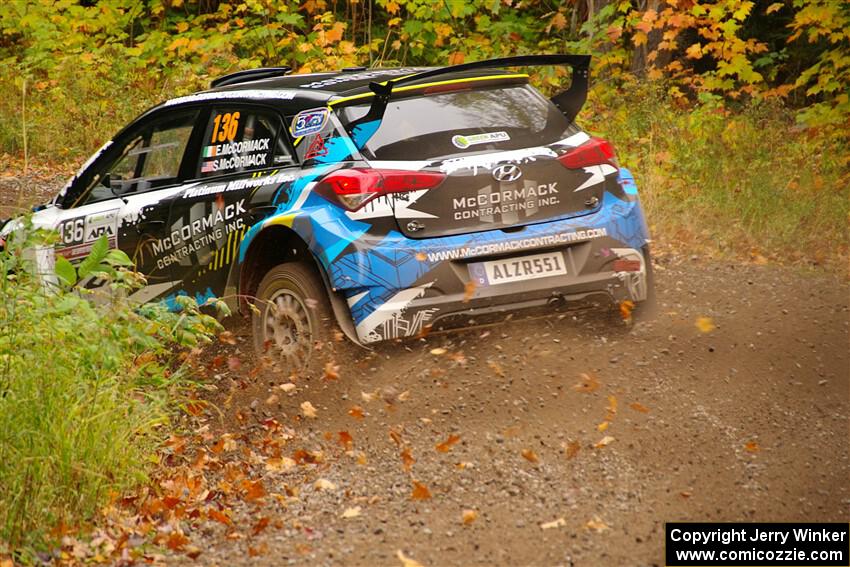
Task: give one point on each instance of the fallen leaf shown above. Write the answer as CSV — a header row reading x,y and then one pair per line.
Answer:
x,y
438,351
254,490
626,308
596,524
705,324
176,541
261,549
752,447
261,524
685,494
571,449
588,383
446,445
560,522
324,484
308,410
219,517
369,396
331,371
351,512
288,387
602,426
468,291
227,338
530,456
420,491
407,459
639,407
605,441
345,439
407,561
496,368
469,516
404,396
612,406
233,363
356,412
272,400
280,464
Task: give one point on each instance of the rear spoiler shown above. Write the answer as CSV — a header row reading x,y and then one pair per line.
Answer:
x,y
569,102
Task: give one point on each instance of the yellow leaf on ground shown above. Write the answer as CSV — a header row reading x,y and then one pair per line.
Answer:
x,y
351,512
469,516
560,522
602,426
420,491
324,484
596,525
407,561
752,447
530,456
308,410
639,407
705,324
438,351
605,441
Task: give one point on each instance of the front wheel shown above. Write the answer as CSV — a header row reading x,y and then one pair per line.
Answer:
x,y
293,324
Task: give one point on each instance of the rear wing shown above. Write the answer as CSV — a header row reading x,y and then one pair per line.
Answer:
x,y
569,102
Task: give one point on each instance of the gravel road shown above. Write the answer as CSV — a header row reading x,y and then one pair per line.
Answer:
x,y
575,437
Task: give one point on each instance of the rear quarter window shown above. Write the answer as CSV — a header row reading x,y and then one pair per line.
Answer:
x,y
463,122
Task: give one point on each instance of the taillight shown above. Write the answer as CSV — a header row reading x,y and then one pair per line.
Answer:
x,y
595,151
355,187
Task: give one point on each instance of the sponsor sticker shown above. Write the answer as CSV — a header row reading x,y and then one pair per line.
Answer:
x,y
309,122
464,142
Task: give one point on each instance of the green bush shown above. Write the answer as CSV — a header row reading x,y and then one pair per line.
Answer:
x,y
86,380
736,179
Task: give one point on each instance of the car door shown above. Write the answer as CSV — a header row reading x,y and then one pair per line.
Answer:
x,y
244,158
126,195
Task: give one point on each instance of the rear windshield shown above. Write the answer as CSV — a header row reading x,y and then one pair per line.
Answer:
x,y
462,123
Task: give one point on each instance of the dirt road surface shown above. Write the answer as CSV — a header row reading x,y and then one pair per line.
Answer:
x,y
577,437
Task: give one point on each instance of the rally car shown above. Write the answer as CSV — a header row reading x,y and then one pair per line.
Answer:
x,y
387,201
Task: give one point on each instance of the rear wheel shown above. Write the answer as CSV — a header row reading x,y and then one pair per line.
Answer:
x,y
294,325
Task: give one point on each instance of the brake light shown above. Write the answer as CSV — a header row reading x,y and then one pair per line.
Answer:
x,y
355,187
595,151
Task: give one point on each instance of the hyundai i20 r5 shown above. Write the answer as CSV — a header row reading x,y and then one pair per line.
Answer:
x,y
389,201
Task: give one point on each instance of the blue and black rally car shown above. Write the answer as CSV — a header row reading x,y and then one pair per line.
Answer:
x,y
389,201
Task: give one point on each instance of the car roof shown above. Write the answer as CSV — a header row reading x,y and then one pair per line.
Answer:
x,y
299,92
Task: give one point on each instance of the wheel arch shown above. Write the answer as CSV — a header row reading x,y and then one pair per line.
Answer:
x,y
276,245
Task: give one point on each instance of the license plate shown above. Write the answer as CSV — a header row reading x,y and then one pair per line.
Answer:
x,y
518,269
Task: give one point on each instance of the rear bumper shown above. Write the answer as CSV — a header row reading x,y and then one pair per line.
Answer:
x,y
397,287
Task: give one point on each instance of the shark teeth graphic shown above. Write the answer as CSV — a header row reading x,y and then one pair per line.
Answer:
x,y
597,175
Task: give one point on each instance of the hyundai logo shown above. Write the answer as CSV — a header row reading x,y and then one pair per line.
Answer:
x,y
507,172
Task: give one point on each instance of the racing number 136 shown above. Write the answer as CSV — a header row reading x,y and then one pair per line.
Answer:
x,y
224,127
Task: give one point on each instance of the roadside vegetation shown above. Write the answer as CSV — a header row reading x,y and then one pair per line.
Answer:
x,y
86,384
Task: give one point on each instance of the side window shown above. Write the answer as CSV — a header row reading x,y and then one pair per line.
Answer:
x,y
149,160
241,139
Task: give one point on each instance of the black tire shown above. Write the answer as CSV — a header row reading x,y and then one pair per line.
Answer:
x,y
648,308
293,325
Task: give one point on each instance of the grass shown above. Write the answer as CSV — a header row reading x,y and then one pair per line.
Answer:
x,y
84,388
